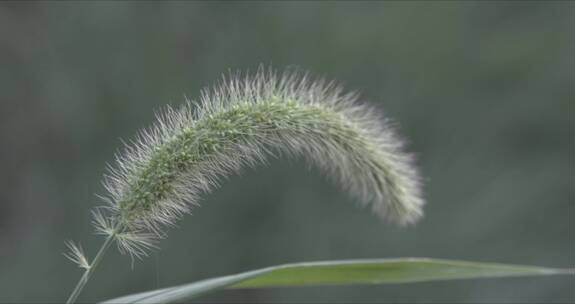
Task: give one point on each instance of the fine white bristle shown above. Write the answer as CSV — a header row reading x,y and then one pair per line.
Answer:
x,y
76,254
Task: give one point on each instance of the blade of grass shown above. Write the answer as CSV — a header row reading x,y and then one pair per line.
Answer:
x,y
352,272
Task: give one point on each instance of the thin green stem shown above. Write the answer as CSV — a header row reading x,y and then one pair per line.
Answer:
x,y
88,273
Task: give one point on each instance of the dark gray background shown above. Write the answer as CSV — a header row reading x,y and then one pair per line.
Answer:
x,y
482,90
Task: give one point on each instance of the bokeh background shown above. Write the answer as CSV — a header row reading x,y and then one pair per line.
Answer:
x,y
484,91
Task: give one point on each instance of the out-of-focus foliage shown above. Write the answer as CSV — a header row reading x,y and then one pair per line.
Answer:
x,y
484,91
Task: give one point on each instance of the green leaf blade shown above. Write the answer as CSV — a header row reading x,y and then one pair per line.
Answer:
x,y
384,272
378,271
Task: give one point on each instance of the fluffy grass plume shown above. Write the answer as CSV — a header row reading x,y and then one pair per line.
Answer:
x,y
162,173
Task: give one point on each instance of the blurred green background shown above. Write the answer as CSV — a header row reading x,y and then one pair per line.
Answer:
x,y
482,90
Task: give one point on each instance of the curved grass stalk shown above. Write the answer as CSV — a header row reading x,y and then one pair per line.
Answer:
x,y
160,176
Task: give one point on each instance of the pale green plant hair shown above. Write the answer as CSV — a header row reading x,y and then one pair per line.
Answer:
x,y
160,175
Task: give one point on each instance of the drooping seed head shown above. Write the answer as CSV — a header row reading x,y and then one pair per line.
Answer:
x,y
161,175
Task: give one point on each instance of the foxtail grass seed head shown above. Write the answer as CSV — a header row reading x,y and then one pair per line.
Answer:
x,y
162,173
